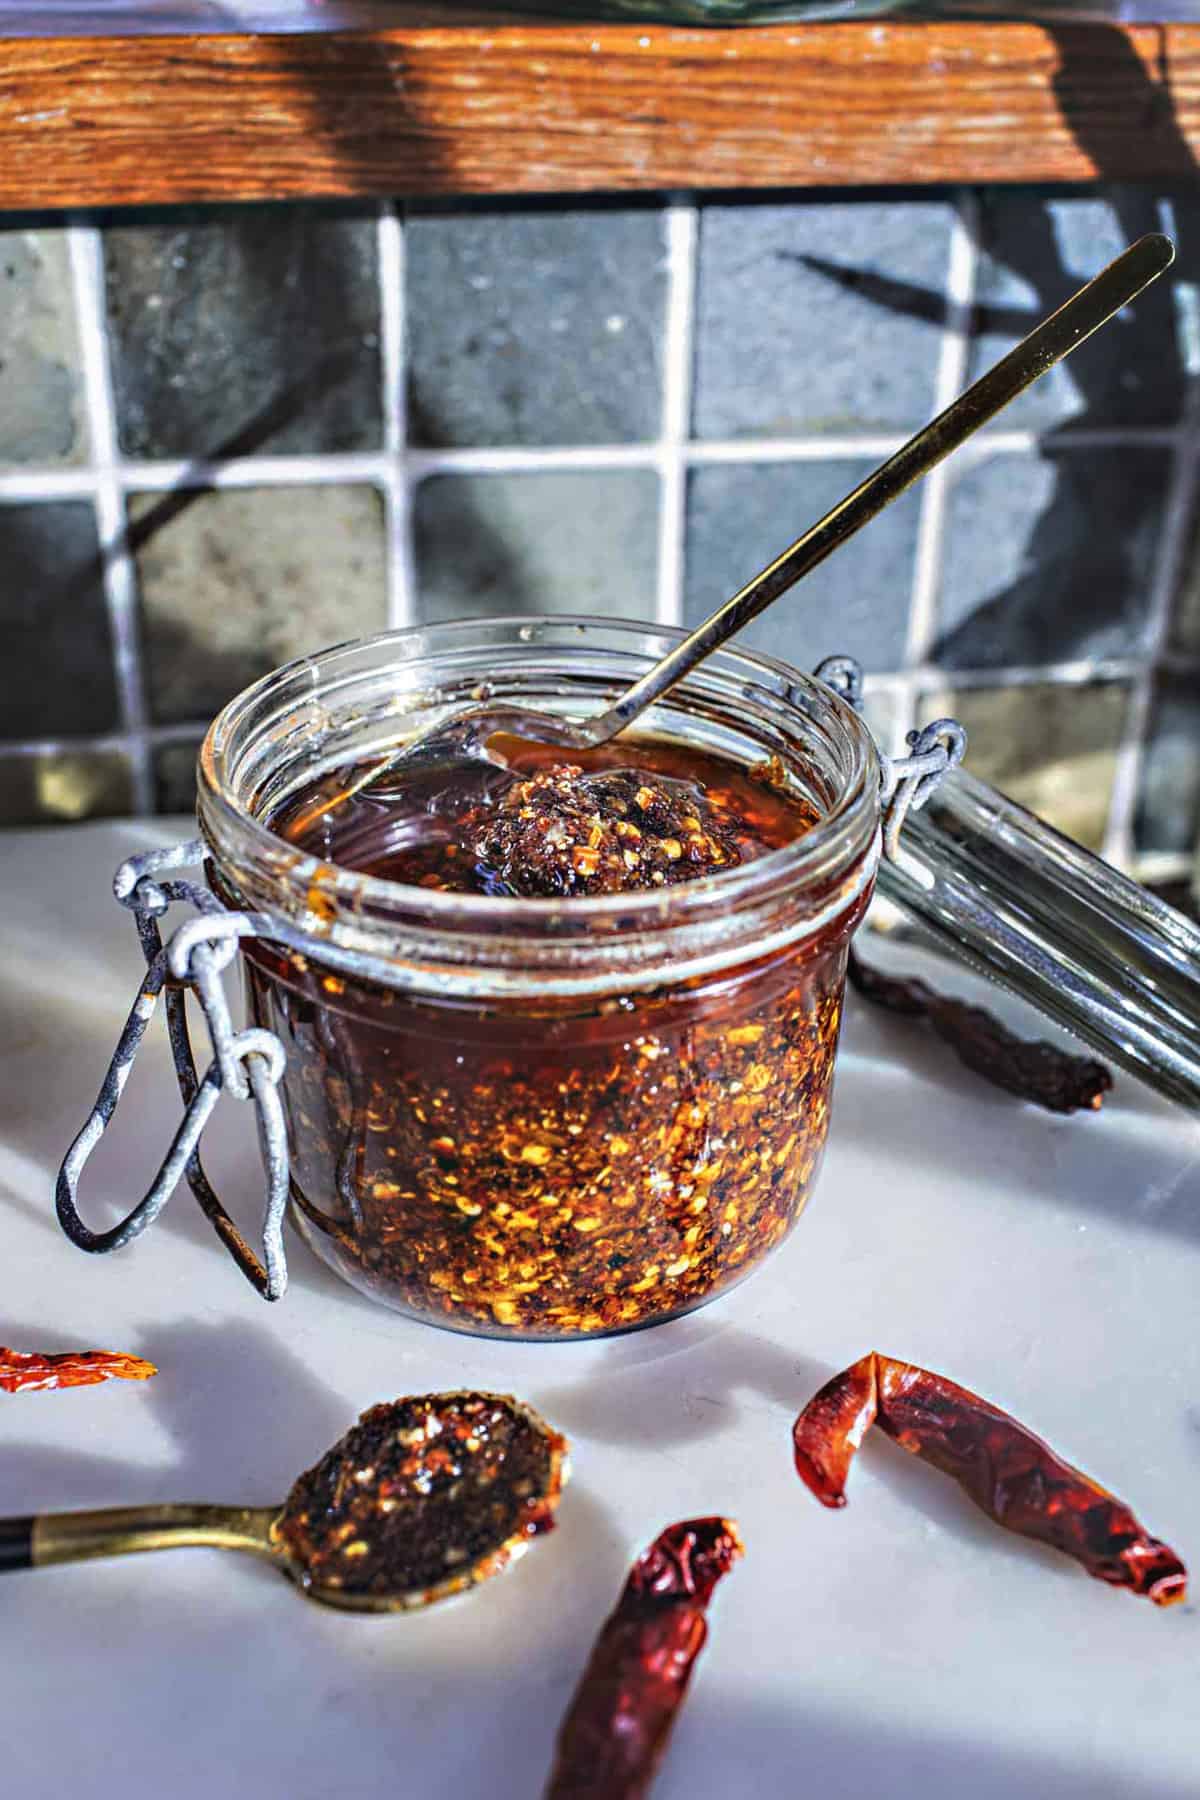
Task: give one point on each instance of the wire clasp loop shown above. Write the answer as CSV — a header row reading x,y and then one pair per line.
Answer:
x,y
906,782
247,1065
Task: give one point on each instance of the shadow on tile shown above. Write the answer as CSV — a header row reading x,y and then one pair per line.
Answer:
x,y
1067,574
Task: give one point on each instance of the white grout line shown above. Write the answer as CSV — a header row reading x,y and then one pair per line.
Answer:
x,y
1182,493
186,731
681,228
992,441
391,326
73,746
1079,673
842,446
252,471
18,484
119,577
521,459
395,470
47,484
402,564
875,445
1118,845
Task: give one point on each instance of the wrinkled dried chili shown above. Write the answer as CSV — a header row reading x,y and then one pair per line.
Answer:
x,y
25,1371
1008,1472
616,1729
1031,1069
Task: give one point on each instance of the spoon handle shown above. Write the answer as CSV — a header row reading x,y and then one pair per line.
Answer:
x,y
39,1539
1074,321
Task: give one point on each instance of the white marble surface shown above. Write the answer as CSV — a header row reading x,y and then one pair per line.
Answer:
x,y
903,1647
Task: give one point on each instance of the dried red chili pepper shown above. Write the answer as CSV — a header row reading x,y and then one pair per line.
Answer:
x,y
1031,1069
616,1729
1011,1474
26,1370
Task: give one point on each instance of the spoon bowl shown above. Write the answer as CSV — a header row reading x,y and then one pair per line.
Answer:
x,y
474,734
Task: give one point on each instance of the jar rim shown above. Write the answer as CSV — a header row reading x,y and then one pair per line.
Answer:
x,y
345,910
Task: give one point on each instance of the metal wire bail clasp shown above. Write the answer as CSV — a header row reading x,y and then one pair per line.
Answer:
x,y
248,1065
906,782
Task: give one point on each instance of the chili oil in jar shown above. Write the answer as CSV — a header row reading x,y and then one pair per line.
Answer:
x,y
561,1037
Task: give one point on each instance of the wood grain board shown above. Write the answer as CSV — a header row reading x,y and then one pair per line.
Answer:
x,y
456,102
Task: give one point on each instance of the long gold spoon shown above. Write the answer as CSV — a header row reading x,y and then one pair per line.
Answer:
x,y
467,732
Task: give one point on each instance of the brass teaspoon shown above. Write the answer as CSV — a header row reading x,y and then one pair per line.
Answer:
x,y
423,1498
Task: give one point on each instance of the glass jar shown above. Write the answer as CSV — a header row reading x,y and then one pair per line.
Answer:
x,y
537,1118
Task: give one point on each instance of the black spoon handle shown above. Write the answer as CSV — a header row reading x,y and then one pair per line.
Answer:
x,y
16,1543
34,1543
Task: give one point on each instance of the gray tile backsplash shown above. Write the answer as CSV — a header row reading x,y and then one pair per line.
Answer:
x,y
1168,813
540,543
1032,258
174,773
41,404
535,327
1050,556
239,581
1053,749
240,330
326,419
819,317
739,518
1185,623
61,786
56,655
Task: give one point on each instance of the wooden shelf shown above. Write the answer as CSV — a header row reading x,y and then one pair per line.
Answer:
x,y
450,102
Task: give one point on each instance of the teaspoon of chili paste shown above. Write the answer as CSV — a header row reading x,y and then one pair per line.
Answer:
x,y
423,1498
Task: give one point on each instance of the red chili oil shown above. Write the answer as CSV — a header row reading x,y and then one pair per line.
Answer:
x,y
552,823
555,1167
